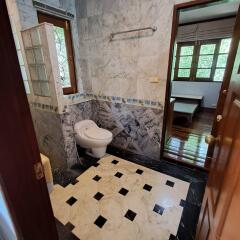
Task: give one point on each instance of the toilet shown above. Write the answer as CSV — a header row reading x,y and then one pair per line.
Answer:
x,y
88,135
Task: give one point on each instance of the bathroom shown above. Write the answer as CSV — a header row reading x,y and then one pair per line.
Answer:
x,y
114,71
111,79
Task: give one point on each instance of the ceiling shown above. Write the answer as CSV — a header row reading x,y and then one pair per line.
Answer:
x,y
210,11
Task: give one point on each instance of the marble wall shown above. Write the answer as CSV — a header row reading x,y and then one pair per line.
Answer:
x,y
74,113
46,117
124,67
135,128
48,129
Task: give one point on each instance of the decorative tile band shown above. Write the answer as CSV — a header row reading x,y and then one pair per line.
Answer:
x,y
80,97
83,97
44,107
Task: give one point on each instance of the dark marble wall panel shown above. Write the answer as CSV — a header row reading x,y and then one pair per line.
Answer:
x,y
50,138
74,113
135,128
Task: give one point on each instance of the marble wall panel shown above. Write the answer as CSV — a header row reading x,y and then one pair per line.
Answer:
x,y
136,129
140,55
87,85
81,8
48,129
94,8
74,113
94,27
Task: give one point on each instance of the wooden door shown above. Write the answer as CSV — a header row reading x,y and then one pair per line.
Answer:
x,y
27,197
220,215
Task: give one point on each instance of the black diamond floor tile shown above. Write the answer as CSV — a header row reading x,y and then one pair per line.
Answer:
x,y
69,226
64,233
75,181
118,174
98,196
96,164
139,171
97,178
130,215
170,183
71,201
100,221
172,237
123,191
115,162
147,187
182,203
158,209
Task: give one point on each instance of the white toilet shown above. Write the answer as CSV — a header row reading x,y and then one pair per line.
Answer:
x,y
88,135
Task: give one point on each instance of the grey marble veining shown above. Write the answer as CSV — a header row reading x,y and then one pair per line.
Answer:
x,y
136,129
74,114
125,66
48,129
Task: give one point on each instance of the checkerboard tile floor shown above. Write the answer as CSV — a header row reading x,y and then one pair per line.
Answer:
x,y
117,199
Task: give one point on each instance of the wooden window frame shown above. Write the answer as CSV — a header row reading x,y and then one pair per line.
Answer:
x,y
179,46
196,55
65,24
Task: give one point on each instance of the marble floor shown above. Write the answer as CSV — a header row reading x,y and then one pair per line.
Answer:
x,y
118,199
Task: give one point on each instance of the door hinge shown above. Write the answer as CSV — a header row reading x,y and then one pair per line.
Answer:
x,y
39,172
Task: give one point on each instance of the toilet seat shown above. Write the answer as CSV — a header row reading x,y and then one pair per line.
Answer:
x,y
97,133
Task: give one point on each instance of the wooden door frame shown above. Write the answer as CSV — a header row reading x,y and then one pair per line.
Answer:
x,y
26,196
225,82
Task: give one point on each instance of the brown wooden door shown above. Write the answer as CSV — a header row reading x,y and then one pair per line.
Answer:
x,y
27,197
220,214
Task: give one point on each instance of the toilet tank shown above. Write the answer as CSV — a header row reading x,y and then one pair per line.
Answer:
x,y
84,125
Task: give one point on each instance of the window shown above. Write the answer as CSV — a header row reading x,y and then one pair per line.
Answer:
x,y
202,60
64,48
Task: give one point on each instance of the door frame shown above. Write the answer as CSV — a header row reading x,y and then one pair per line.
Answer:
x,y
224,86
25,191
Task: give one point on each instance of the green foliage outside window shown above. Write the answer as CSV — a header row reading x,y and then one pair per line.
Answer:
x,y
62,56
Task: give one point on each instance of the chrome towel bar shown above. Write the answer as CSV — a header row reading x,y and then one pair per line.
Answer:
x,y
112,35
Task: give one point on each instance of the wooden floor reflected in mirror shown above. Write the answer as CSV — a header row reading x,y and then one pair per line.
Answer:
x,y
187,143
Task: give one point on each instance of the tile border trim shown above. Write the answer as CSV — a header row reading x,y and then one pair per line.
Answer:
x,y
81,97
44,107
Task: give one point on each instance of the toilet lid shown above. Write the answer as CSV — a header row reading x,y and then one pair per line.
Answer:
x,y
98,133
